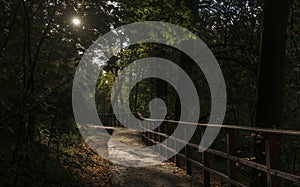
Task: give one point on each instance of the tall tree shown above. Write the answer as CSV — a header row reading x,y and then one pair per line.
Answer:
x,y
273,52
269,102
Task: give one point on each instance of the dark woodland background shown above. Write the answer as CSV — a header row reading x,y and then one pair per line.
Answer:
x,y
256,42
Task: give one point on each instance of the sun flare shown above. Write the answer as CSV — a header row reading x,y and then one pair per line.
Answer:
x,y
76,21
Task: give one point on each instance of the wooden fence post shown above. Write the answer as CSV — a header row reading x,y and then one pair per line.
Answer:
x,y
205,160
163,150
152,134
187,154
148,133
272,159
175,146
158,140
231,168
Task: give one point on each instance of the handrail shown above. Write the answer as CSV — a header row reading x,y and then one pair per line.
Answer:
x,y
235,127
273,173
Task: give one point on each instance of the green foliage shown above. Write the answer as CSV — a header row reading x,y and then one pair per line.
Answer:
x,y
40,49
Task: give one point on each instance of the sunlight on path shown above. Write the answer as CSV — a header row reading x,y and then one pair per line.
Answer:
x,y
131,155
165,174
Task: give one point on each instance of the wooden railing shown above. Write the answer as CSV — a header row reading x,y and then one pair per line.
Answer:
x,y
268,137
269,167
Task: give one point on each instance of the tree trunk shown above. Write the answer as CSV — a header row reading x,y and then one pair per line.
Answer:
x,y
269,101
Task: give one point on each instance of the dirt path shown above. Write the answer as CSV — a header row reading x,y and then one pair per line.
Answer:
x,y
165,174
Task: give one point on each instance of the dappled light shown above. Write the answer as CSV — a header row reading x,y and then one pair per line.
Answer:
x,y
108,93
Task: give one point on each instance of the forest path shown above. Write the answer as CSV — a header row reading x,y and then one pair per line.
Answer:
x,y
164,174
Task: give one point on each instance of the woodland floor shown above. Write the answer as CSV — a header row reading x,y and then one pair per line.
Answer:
x,y
76,164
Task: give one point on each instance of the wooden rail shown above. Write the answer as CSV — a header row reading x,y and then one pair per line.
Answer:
x,y
270,168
